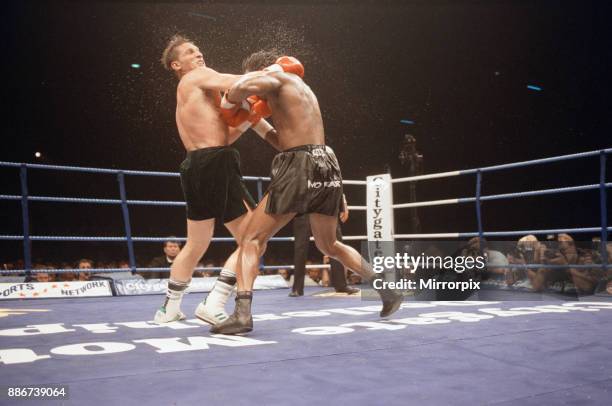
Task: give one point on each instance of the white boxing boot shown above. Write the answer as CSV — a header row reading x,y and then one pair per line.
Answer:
x,y
212,310
171,309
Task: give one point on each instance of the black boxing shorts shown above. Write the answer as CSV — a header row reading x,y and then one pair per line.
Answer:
x,y
305,179
213,186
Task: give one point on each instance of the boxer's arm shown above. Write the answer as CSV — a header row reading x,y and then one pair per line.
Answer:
x,y
209,79
260,85
262,128
271,137
267,133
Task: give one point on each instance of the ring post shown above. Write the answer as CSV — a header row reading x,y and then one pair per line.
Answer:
x,y
380,219
603,208
25,214
126,221
478,209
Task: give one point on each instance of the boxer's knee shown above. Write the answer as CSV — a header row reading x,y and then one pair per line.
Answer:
x,y
254,245
194,249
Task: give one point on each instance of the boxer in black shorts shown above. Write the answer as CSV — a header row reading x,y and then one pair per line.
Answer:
x,y
210,175
305,179
213,186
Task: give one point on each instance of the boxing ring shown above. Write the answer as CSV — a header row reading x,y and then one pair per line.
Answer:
x,y
312,349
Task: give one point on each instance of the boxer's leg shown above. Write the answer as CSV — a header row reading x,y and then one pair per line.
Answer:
x,y
324,232
199,234
260,228
212,310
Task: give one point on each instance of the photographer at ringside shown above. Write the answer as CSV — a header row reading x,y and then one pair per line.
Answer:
x,y
528,251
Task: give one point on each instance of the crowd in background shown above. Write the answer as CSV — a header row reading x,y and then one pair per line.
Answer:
x,y
171,248
555,251
553,258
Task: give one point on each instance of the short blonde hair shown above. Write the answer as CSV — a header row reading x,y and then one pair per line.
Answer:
x,y
170,54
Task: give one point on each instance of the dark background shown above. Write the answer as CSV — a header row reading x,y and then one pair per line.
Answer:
x,y
458,69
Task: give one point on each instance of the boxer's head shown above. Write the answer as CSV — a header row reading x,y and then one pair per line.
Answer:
x,y
259,60
181,56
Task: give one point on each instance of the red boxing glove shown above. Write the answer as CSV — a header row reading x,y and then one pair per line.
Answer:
x,y
260,106
243,115
254,117
287,64
291,65
234,114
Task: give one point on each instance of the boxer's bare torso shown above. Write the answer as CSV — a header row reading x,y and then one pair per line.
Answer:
x,y
296,113
197,101
197,116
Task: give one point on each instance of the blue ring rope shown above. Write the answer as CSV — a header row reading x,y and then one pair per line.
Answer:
x,y
124,202
179,203
273,267
118,239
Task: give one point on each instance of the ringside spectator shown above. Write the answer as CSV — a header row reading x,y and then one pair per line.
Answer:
x,y
172,247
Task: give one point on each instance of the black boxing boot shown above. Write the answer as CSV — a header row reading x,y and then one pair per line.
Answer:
x,y
241,321
391,299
